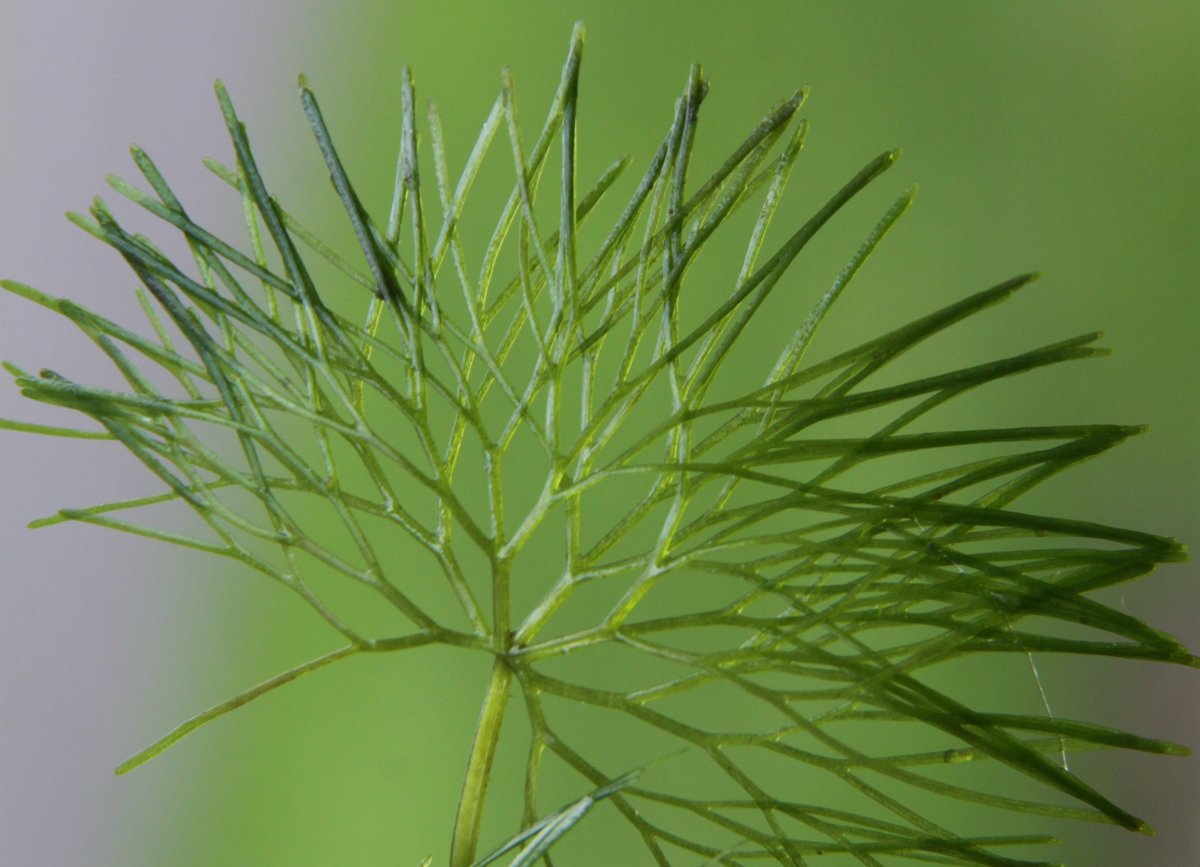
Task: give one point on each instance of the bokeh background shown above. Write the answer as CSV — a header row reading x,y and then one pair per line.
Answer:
x,y
1054,136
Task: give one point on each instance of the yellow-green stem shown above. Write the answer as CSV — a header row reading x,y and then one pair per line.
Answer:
x,y
479,768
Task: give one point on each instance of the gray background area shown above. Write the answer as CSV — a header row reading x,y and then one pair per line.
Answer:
x,y
97,629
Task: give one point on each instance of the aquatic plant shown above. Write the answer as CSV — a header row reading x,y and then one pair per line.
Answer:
x,y
766,597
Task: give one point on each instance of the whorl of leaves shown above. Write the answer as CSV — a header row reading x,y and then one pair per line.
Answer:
x,y
836,597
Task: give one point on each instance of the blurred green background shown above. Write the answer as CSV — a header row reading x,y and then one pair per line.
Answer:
x,y
1056,136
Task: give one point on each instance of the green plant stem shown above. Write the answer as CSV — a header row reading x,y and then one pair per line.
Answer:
x,y
479,767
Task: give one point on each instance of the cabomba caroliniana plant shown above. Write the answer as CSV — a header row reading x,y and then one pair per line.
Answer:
x,y
767,613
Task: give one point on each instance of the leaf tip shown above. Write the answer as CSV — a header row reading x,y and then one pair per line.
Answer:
x,y
31,294
88,225
225,102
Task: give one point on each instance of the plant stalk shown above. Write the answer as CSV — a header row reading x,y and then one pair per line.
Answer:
x,y
479,767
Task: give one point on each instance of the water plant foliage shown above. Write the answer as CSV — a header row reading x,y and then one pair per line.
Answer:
x,y
745,567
